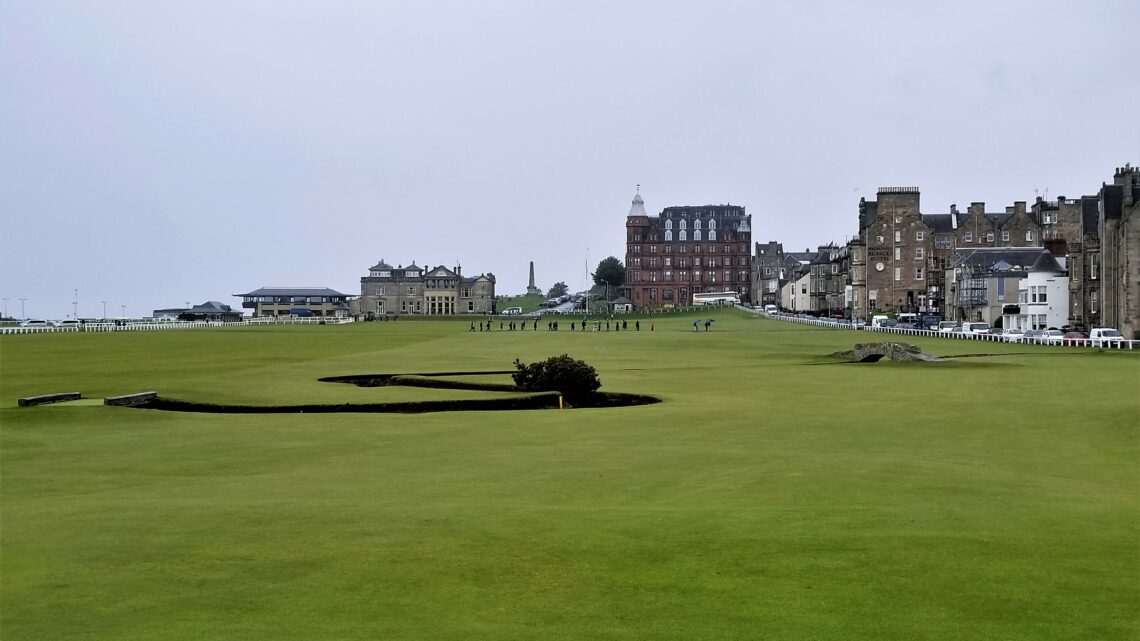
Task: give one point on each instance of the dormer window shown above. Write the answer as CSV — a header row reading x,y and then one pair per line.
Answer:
x,y
697,233
697,224
684,225
712,234
712,224
668,235
682,235
668,224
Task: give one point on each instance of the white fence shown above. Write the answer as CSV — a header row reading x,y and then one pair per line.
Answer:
x,y
145,326
993,338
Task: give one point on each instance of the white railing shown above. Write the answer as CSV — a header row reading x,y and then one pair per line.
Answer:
x,y
993,338
161,325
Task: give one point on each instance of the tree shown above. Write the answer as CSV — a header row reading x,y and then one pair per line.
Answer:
x,y
559,289
575,379
610,272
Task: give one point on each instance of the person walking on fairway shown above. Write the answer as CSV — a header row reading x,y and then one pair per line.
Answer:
x,y
696,325
708,323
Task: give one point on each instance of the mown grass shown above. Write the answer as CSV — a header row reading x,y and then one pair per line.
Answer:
x,y
774,494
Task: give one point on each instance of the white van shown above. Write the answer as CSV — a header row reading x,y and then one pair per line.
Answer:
x,y
771,309
1105,336
512,311
975,328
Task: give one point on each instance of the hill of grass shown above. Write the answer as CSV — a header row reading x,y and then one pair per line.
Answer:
x,y
773,494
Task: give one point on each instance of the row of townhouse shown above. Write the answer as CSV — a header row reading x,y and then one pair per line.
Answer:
x,y
1060,262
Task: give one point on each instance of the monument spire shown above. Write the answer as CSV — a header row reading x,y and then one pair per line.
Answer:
x,y
531,289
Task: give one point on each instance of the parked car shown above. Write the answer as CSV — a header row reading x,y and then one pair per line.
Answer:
x,y
1032,336
512,311
1052,336
1012,334
34,322
67,323
948,326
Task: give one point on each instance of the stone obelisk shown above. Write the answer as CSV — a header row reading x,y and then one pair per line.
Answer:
x,y
531,289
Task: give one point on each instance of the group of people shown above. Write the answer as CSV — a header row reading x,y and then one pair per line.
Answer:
x,y
552,325
697,324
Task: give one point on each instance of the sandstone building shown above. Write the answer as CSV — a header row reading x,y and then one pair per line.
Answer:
x,y
412,289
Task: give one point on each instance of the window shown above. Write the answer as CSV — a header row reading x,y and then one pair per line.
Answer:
x,y
919,253
669,274
989,237
712,248
683,235
470,305
1092,268
668,224
411,289
653,249
969,238
834,269
918,273
919,235
767,271
898,253
898,236
653,262
712,224
668,261
696,249
683,225
1005,236
668,235
697,262
697,234
1029,235
697,224
712,234
898,273
1092,302
668,249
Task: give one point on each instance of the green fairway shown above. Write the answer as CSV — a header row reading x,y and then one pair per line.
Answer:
x,y
774,494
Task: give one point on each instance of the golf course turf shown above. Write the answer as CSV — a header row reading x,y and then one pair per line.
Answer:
x,y
774,493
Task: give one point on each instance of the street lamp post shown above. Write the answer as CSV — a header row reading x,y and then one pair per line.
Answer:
x,y
5,308
104,310
123,309
22,315
75,306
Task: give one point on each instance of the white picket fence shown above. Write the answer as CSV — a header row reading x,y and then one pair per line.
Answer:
x,y
993,338
150,326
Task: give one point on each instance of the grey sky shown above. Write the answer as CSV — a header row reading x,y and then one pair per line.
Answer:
x,y
156,153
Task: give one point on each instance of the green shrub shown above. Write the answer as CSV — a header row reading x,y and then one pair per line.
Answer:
x,y
576,380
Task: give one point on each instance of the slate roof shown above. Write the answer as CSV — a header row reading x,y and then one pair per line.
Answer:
x,y
1113,197
380,266
294,291
1028,259
1090,215
211,307
939,223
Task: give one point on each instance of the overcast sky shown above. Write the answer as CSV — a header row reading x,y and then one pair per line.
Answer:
x,y
153,153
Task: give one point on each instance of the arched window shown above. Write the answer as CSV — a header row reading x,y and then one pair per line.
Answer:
x,y
684,225
697,235
697,224
682,235
712,223
668,224
668,235
712,234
